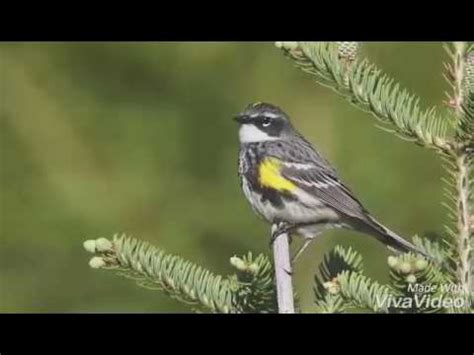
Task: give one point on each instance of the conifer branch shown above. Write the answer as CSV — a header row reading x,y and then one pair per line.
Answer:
x,y
341,284
463,224
409,269
363,292
250,290
254,285
283,273
365,86
438,251
460,75
455,74
327,289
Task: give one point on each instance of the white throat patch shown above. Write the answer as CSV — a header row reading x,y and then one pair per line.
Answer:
x,y
248,133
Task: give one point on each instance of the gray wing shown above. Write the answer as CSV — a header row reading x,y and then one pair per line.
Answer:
x,y
298,151
325,186
303,165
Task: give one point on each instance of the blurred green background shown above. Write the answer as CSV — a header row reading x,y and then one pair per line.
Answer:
x,y
99,138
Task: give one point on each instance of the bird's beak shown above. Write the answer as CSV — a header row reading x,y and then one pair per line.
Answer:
x,y
241,118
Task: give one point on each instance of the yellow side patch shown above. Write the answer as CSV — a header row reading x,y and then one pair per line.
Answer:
x,y
269,175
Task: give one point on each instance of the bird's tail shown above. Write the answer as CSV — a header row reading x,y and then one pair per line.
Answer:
x,y
392,240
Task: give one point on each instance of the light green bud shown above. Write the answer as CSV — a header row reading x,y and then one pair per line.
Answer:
x,y
90,245
238,263
139,267
103,244
253,268
420,264
96,262
392,261
332,287
405,267
411,279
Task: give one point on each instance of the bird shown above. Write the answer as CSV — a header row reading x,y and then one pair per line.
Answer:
x,y
292,186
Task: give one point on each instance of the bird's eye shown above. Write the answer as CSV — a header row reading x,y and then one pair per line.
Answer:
x,y
266,121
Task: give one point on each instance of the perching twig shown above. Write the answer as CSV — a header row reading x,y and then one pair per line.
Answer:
x,y
283,273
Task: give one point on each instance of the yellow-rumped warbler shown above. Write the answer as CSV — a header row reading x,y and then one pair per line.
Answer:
x,y
292,186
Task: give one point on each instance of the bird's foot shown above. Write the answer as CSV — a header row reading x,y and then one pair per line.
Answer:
x,y
279,229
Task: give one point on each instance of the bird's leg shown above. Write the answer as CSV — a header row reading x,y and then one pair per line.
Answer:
x,y
301,250
286,228
308,238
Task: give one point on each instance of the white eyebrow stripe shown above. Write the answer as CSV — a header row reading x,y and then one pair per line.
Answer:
x,y
265,114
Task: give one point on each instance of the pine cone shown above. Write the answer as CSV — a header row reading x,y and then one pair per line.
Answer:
x,y
348,50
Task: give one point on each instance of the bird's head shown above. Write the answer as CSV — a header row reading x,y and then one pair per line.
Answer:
x,y
263,122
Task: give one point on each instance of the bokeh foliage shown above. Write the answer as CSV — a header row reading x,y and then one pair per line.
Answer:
x,y
138,138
